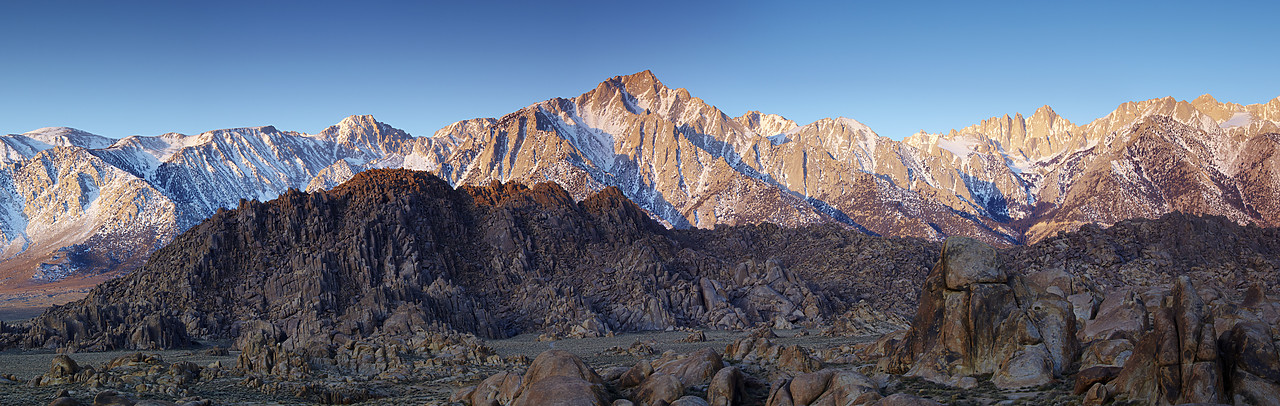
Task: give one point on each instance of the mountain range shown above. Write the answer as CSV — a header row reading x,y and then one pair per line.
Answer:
x,y
78,208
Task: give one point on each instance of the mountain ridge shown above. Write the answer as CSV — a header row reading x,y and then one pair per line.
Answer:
x,y
1006,180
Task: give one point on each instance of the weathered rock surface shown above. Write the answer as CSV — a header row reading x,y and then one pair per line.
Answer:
x,y
1251,364
558,377
658,387
974,319
763,351
691,369
1183,359
363,278
727,388
823,387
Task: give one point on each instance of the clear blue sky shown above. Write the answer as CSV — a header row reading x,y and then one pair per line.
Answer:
x,y
133,67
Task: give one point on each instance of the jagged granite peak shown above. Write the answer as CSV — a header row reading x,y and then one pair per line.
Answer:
x,y
768,125
1007,180
364,133
1218,111
1041,135
16,147
67,137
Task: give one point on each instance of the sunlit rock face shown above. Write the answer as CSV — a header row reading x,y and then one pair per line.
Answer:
x,y
1006,180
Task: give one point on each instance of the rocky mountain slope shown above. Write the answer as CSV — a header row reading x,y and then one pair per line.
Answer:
x,y
397,246
73,204
393,249
372,279
1006,180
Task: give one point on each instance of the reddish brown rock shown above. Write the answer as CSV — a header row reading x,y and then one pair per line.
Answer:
x,y
727,388
1121,315
981,321
692,369
659,387
820,388
636,375
499,389
559,363
1167,366
1097,395
1252,364
1086,378
562,390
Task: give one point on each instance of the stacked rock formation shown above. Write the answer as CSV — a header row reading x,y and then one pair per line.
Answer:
x,y
1199,351
975,319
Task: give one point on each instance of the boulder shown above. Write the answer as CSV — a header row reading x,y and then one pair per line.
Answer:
x,y
970,261
659,387
845,387
1252,364
63,366
689,401
1088,377
636,375
1121,315
1084,306
613,374
1108,353
554,377
111,398
780,393
560,363
1029,366
1097,395
694,368
1177,361
499,389
797,359
1055,281
822,387
807,387
727,388
562,390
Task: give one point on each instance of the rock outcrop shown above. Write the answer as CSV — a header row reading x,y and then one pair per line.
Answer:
x,y
823,387
974,318
378,271
1183,358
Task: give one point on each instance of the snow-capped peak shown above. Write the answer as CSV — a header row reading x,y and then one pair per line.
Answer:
x,y
67,137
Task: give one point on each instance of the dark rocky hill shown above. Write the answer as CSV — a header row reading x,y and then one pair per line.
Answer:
x,y
376,277
393,250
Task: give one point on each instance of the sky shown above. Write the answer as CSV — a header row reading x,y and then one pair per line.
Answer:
x,y
147,68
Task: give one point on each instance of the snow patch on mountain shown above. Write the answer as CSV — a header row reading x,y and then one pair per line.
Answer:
x,y
1241,119
594,143
960,148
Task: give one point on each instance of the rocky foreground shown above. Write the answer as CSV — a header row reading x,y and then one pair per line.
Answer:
x,y
976,325
390,285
